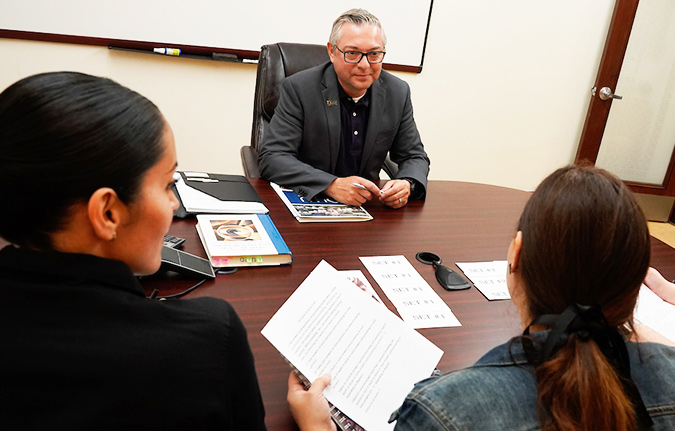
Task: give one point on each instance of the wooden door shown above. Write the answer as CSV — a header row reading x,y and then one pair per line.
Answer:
x,y
638,121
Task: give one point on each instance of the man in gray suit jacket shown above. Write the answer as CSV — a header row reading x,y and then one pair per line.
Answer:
x,y
335,123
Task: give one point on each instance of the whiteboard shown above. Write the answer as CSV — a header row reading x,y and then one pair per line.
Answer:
x,y
235,25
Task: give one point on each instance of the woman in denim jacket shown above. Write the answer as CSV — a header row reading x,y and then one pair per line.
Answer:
x,y
575,267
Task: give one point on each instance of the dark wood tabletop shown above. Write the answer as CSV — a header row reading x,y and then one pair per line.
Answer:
x,y
461,222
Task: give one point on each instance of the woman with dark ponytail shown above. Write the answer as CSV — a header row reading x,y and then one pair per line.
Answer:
x,y
575,267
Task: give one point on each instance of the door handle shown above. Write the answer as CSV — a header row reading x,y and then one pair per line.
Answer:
x,y
606,94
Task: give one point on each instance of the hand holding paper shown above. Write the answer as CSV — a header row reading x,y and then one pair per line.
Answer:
x,y
309,407
330,326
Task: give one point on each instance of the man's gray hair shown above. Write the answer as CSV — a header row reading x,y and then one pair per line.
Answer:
x,y
358,17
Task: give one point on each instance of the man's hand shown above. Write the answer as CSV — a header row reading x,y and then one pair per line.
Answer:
x,y
344,190
309,407
395,193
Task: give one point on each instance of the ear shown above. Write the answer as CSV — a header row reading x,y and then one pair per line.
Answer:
x,y
105,213
329,47
514,251
514,279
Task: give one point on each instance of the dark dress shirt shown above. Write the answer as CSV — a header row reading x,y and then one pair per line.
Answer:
x,y
84,349
353,127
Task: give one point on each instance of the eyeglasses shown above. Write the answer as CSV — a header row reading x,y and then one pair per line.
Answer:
x,y
354,57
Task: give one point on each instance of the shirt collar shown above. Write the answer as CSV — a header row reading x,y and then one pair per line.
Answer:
x,y
365,99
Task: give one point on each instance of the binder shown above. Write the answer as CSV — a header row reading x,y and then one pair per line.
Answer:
x,y
206,193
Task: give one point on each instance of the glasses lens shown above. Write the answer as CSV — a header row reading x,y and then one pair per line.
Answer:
x,y
376,56
352,56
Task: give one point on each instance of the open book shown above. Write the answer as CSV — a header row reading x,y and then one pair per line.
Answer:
x,y
321,210
330,325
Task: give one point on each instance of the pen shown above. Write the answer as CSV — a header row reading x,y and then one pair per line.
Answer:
x,y
360,186
167,51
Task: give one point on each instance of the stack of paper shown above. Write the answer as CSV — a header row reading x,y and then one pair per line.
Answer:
x,y
328,325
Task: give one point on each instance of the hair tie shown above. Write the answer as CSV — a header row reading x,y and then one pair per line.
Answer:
x,y
588,322
585,321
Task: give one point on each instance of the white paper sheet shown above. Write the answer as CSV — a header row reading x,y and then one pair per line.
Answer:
x,y
373,357
417,303
656,313
488,277
359,279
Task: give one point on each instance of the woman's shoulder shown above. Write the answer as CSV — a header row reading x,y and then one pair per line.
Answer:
x,y
651,358
499,383
205,309
652,368
501,364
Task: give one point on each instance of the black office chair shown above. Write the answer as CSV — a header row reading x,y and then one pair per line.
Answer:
x,y
276,62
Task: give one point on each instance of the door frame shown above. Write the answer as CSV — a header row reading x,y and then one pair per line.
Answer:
x,y
608,76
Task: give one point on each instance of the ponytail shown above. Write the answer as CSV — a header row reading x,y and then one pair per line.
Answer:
x,y
580,391
583,374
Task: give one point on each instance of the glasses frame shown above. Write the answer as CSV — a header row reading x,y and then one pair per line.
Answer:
x,y
363,54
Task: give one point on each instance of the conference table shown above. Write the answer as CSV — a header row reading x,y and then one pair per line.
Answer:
x,y
459,221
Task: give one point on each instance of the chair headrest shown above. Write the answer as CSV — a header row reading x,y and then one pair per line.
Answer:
x,y
279,60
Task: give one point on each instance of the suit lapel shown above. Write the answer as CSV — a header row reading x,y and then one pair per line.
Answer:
x,y
331,106
377,102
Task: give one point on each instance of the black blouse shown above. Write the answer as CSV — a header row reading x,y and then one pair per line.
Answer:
x,y
84,349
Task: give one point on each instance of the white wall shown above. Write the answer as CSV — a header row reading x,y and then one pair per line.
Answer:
x,y
501,99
